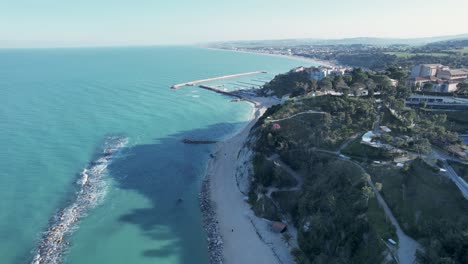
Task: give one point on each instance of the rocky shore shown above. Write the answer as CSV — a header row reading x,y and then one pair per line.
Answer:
x,y
210,224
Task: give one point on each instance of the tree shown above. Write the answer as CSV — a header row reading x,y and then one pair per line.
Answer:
x,y
402,91
427,87
359,75
367,193
287,238
383,83
418,86
462,88
370,85
397,73
325,84
348,79
313,85
378,186
422,146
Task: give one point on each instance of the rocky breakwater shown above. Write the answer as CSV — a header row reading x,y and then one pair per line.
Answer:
x,y
210,224
90,190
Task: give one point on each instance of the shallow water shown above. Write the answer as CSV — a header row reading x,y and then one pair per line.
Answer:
x,y
57,107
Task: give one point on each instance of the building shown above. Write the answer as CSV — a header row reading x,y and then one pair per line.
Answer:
x,y
299,69
442,78
419,81
447,87
437,102
456,74
427,70
394,82
319,73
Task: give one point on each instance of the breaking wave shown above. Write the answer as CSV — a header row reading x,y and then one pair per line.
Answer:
x,y
91,189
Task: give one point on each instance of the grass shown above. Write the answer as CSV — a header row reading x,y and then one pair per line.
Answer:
x,y
410,54
419,196
460,168
464,50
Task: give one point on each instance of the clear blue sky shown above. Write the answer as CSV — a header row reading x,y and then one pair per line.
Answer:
x,y
39,23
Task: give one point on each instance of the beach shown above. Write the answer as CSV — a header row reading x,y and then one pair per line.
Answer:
x,y
148,209
235,234
301,58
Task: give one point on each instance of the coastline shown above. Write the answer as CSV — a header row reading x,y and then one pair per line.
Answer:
x,y
234,233
306,59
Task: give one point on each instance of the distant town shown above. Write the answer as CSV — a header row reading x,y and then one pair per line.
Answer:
x,y
373,143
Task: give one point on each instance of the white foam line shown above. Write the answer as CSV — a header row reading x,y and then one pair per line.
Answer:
x,y
91,192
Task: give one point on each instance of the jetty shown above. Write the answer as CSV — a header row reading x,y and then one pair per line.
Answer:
x,y
194,141
192,83
217,90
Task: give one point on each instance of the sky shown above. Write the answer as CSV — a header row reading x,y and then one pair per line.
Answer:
x,y
57,23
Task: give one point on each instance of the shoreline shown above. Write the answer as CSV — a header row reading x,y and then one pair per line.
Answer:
x,y
301,58
234,233
207,205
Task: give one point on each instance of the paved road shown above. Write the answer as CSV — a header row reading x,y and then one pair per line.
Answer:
x,y
450,172
459,182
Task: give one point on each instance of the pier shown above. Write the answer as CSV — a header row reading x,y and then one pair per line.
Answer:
x,y
217,90
198,142
176,86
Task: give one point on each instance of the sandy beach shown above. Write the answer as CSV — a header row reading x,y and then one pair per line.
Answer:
x,y
306,59
241,232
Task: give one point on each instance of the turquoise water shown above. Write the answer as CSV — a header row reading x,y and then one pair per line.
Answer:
x,y
57,107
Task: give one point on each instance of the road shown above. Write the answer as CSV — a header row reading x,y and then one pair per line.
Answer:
x,y
300,181
407,247
459,182
450,172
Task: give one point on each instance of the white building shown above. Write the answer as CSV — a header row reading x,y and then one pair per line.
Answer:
x,y
318,73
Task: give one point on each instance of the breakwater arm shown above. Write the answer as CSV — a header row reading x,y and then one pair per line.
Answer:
x,y
176,86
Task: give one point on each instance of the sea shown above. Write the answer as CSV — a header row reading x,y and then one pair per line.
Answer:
x,y
92,164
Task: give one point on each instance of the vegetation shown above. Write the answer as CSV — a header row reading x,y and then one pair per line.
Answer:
x,y
429,207
460,168
293,83
338,219
378,56
363,152
457,121
333,210
406,54
343,118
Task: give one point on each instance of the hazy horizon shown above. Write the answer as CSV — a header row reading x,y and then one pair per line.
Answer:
x,y
53,23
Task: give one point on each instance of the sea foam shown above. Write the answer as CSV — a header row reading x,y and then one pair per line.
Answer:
x,y
91,190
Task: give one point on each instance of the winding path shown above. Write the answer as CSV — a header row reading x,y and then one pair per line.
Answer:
x,y
289,117
407,247
300,181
